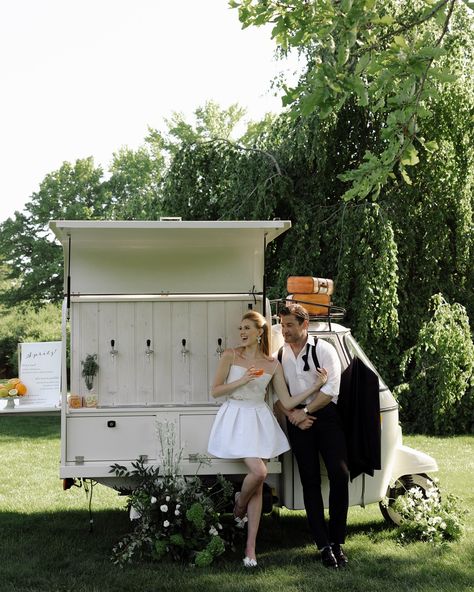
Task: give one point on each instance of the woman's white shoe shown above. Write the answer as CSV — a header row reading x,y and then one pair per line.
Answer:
x,y
249,562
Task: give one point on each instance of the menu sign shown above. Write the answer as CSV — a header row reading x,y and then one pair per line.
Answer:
x,y
40,371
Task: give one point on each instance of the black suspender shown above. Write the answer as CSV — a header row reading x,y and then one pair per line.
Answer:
x,y
305,355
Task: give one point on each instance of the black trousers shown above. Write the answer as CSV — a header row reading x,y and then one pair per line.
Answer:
x,y
324,437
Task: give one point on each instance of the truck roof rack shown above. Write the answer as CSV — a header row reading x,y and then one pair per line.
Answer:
x,y
332,313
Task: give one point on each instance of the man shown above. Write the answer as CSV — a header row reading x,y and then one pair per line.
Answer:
x,y
316,429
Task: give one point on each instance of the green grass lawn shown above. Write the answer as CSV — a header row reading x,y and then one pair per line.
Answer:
x,y
45,543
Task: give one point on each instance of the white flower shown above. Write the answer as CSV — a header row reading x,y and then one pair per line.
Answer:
x,y
177,512
443,525
164,508
167,498
153,499
219,526
178,506
213,531
166,523
134,513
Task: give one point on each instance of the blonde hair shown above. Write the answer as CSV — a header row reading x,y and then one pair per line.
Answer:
x,y
261,323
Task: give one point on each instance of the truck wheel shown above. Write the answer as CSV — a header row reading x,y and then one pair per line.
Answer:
x,y
400,487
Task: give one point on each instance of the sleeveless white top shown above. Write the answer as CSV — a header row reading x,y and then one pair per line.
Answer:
x,y
245,426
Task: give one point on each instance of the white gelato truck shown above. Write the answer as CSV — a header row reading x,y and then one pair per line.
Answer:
x,y
148,309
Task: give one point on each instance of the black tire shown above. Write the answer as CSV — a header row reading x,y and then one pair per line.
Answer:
x,y
400,487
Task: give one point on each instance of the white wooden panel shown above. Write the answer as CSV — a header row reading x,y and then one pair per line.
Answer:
x,y
125,344
216,330
108,374
198,346
180,364
162,355
144,364
86,342
194,432
131,437
233,315
75,386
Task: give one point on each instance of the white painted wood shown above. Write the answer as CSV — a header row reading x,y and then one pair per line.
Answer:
x,y
194,441
199,318
87,344
92,439
132,378
165,257
163,353
108,371
144,364
181,363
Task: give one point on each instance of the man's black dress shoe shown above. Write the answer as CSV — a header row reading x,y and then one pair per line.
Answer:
x,y
339,555
327,558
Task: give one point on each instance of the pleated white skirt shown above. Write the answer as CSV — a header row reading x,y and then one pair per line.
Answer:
x,y
246,429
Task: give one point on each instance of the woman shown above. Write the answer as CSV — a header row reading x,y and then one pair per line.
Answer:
x,y
245,426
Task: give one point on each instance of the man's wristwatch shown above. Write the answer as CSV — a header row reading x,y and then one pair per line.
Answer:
x,y
305,409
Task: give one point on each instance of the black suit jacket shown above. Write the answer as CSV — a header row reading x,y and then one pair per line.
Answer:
x,y
359,406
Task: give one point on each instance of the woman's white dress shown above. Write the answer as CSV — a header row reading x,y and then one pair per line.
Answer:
x,y
245,426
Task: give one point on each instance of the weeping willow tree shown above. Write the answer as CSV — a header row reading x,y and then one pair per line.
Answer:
x,y
389,256
389,243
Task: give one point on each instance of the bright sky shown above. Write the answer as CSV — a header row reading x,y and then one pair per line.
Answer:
x,y
85,77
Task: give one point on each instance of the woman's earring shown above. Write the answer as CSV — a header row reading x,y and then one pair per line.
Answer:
x,y
259,339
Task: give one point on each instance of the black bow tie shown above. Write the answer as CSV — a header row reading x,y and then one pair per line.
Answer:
x,y
304,357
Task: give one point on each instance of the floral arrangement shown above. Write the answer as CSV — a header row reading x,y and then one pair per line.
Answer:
x,y
89,369
427,517
175,517
12,388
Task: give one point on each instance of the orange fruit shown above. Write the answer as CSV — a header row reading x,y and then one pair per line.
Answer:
x,y
21,388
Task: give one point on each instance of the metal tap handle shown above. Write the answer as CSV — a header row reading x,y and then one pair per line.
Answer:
x,y
113,351
148,350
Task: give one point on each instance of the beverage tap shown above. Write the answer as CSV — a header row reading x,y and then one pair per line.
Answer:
x,y
148,350
113,352
220,349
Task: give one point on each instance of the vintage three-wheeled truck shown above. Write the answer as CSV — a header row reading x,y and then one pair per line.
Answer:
x,y
151,305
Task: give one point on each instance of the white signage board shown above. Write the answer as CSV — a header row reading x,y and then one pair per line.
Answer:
x,y
40,371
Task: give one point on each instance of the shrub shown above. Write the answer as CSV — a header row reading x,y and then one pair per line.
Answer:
x,y
437,397
175,517
24,325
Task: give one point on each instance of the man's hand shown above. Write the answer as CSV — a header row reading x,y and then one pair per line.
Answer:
x,y
306,423
299,418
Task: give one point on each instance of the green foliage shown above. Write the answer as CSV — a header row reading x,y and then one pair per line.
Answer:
x,y
439,369
367,281
388,56
211,122
25,325
176,517
32,257
90,368
135,183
